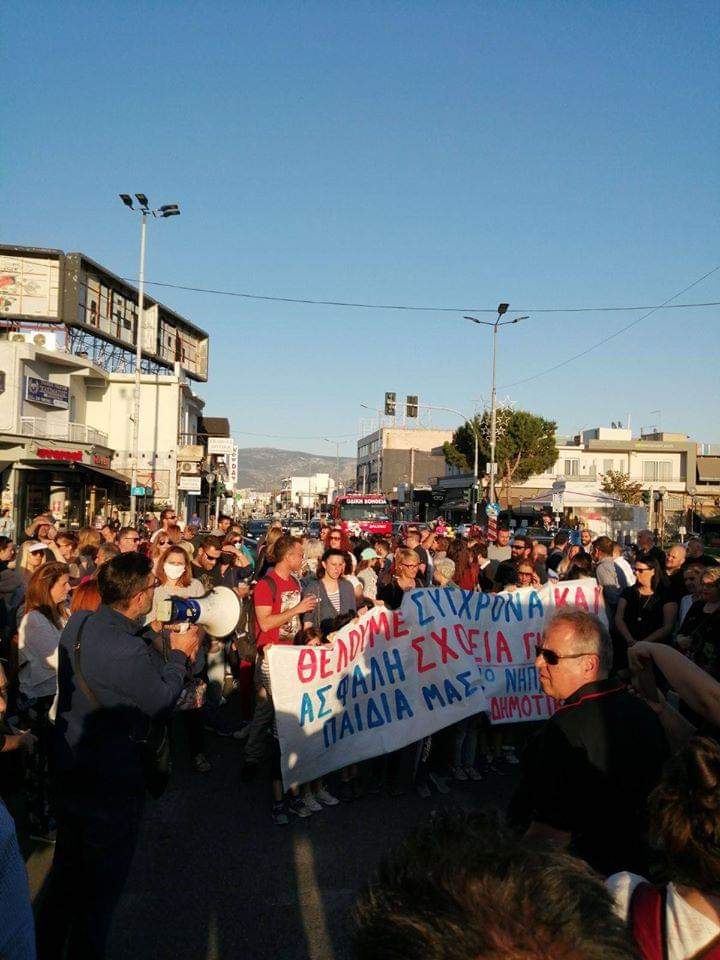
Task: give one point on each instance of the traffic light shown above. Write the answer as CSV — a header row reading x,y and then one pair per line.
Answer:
x,y
389,404
411,407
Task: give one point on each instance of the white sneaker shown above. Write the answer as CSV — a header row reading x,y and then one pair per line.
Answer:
x,y
326,798
311,803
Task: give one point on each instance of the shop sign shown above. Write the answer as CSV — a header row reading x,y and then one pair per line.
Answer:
x,y
190,484
193,453
47,393
51,454
220,446
100,461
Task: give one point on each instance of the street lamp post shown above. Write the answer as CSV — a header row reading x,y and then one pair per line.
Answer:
x,y
501,310
167,210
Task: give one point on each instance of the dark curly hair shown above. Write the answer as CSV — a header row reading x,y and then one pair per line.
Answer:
x,y
684,813
461,888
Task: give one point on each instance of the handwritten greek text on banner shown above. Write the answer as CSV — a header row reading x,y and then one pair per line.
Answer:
x,y
396,676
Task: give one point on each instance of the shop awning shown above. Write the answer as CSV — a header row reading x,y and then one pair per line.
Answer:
x,y
708,469
106,473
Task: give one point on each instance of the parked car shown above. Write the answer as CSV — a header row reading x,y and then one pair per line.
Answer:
x,y
255,530
297,528
314,528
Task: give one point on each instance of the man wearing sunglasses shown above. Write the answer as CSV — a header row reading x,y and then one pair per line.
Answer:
x,y
587,773
128,540
168,518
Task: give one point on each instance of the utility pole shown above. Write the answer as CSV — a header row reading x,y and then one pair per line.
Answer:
x,y
138,364
501,311
167,210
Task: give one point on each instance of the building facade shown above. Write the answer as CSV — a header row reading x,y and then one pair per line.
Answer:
x,y
68,332
54,453
306,494
398,456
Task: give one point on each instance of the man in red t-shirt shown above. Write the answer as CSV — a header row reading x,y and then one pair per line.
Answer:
x,y
279,607
277,597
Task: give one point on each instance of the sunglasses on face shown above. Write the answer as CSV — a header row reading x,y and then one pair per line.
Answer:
x,y
642,569
211,559
552,659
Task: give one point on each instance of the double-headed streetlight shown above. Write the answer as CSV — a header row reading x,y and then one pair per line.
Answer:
x,y
143,208
495,324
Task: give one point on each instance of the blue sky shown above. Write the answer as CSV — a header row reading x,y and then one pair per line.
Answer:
x,y
459,154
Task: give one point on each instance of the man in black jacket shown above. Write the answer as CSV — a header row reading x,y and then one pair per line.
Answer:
x,y
588,772
111,686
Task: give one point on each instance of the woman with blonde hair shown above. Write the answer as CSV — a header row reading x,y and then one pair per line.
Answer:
x,y
265,555
88,537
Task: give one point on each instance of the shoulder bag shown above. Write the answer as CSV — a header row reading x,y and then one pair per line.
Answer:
x,y
154,747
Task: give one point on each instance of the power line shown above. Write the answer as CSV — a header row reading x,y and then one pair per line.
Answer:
x,y
612,336
418,309
286,436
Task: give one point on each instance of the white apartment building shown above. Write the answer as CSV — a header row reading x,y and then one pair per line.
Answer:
x,y
654,460
53,454
170,413
306,493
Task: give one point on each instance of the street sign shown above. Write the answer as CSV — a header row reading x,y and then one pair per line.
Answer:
x,y
557,503
222,446
190,484
492,467
137,491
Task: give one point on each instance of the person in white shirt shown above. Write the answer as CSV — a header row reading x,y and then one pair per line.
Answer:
x,y
685,822
621,562
39,632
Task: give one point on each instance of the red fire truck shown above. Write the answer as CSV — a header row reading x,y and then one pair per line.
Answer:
x,y
365,512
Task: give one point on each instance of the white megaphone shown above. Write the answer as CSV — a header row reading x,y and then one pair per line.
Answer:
x,y
218,611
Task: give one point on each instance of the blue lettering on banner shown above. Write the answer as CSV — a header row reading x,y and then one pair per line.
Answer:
x,y
394,667
535,605
306,710
324,710
417,598
358,682
376,677
431,693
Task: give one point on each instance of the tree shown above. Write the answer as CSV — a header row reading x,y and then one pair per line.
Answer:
x,y
525,445
619,485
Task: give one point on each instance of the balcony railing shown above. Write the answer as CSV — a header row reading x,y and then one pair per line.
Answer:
x,y
75,432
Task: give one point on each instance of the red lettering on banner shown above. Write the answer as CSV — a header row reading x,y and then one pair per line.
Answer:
x,y
503,649
342,660
486,639
398,623
533,636
581,599
422,666
307,665
325,668
465,638
446,651
355,638
561,597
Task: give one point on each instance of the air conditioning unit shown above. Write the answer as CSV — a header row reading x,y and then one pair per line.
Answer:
x,y
189,469
49,340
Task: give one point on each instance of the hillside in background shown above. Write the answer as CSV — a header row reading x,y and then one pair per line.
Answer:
x,y
262,468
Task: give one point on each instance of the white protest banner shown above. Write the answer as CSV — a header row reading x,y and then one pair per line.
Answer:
x,y
396,676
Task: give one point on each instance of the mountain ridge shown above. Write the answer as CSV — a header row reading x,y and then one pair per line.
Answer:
x,y
262,468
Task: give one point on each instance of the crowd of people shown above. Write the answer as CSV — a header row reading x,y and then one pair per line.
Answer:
x,y
99,698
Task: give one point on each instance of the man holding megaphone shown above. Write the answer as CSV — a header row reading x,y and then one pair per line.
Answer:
x,y
112,687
